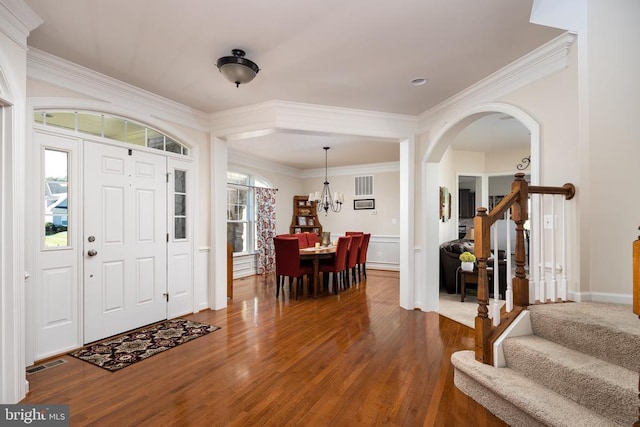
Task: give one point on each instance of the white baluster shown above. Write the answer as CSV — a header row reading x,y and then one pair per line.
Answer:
x,y
563,282
496,274
553,284
534,226
542,296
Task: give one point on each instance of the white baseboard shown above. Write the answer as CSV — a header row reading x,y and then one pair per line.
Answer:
x,y
383,266
605,297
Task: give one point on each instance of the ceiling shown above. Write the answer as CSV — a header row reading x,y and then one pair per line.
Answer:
x,y
354,54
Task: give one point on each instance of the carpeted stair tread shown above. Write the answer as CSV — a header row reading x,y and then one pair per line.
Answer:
x,y
605,388
517,399
609,332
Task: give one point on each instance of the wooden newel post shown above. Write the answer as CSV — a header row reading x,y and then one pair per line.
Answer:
x,y
520,214
636,299
482,250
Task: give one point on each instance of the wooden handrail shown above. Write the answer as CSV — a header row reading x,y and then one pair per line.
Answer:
x,y
517,200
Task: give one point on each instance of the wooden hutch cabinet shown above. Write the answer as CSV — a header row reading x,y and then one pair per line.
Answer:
x,y
305,217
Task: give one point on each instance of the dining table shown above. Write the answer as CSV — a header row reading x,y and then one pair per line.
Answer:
x,y
315,254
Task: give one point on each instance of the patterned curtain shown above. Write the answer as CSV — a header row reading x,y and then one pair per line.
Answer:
x,y
266,229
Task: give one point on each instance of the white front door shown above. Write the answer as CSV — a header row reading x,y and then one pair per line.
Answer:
x,y
124,241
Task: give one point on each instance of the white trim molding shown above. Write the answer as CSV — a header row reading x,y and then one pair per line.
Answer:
x,y
248,160
288,116
541,62
603,297
48,68
17,20
366,169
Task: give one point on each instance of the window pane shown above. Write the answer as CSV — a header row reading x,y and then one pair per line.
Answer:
x,y
180,205
180,228
232,196
135,133
56,218
236,235
90,123
114,128
180,185
173,146
237,178
62,119
232,213
242,212
38,116
242,197
155,139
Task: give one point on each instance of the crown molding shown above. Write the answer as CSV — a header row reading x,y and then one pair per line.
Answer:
x,y
60,72
254,162
319,119
17,20
541,62
367,169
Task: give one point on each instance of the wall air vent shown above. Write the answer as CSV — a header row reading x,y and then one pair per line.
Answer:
x,y
364,185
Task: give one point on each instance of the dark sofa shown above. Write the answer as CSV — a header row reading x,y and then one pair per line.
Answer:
x,y
450,261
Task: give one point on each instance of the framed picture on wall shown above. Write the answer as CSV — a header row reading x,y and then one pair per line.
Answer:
x,y
364,204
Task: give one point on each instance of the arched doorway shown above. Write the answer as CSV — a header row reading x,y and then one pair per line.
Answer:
x,y
437,163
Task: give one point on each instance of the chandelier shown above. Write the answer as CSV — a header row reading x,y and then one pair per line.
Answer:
x,y
325,201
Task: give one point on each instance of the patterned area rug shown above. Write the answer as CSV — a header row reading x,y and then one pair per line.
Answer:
x,y
125,350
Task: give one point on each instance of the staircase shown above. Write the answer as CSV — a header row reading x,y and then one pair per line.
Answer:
x,y
579,368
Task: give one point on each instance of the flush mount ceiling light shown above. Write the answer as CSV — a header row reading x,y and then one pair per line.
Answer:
x,y
237,68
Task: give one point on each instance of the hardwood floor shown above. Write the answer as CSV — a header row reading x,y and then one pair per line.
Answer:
x,y
355,358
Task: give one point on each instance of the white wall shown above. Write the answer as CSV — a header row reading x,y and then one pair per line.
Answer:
x,y
586,113
613,64
383,222
16,22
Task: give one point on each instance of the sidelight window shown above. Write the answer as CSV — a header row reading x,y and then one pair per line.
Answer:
x,y
180,205
56,198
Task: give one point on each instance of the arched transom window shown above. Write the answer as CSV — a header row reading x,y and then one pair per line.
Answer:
x,y
112,127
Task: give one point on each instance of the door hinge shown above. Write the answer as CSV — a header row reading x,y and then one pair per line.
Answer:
x,y
167,237
167,177
166,295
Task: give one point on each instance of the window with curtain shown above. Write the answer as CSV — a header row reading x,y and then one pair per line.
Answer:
x,y
242,211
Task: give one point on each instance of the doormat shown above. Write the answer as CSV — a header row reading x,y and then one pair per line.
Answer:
x,y
117,353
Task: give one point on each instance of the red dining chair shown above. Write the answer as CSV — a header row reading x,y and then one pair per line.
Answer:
x,y
339,264
312,239
352,258
288,264
362,255
302,237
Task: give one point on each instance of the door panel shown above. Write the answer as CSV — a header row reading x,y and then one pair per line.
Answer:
x,y
125,215
54,315
180,249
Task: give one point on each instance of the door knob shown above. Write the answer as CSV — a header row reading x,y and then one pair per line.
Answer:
x,y
92,252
